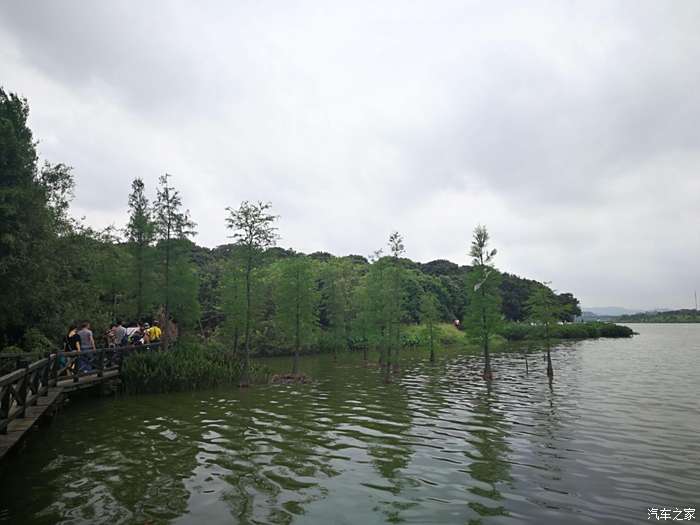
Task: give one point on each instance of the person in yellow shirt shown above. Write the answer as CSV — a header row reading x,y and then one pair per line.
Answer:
x,y
154,332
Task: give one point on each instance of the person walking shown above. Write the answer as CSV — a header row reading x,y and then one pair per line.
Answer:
x,y
71,343
154,332
120,337
87,343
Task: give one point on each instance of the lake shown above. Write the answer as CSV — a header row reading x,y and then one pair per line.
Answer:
x,y
617,432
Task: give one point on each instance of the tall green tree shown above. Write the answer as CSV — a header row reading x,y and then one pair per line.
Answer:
x,y
337,281
111,273
396,304
233,303
296,301
139,233
483,315
29,218
184,300
378,301
362,325
254,231
170,224
545,308
429,316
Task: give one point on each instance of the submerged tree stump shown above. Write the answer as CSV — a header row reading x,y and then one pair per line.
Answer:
x,y
289,379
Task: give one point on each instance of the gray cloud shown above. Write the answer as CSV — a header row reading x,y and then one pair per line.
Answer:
x,y
570,129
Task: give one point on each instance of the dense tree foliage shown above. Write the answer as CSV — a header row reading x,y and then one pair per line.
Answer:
x,y
249,296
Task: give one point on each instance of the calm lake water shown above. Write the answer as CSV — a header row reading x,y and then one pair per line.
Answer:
x,y
617,432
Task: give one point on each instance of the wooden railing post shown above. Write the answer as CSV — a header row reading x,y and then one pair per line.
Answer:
x,y
76,368
45,374
55,365
35,382
22,394
100,362
5,403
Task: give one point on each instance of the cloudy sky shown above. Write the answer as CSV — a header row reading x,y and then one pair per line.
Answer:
x,y
571,129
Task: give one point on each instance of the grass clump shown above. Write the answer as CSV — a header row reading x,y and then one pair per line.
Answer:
x,y
185,367
524,331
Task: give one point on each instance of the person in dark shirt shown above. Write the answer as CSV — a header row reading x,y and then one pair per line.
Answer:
x,y
71,343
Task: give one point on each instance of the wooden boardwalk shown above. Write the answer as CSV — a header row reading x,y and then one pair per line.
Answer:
x,y
18,428
37,389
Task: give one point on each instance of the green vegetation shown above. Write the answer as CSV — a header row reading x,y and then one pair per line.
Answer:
x,y
545,310
483,314
185,366
590,330
429,316
254,231
671,316
243,299
296,303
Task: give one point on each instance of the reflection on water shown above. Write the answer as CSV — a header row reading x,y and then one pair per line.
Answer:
x,y
615,433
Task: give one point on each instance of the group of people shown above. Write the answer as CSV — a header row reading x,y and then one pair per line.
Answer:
x,y
134,334
81,339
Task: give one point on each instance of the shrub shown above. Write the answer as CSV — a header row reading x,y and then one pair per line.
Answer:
x,y
185,367
35,341
615,330
572,331
523,331
516,331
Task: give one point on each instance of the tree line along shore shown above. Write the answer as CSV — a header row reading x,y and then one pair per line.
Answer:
x,y
248,297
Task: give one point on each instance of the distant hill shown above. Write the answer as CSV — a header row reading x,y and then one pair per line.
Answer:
x,y
607,311
668,316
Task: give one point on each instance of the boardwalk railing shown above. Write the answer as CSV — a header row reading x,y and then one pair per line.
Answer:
x,y
23,387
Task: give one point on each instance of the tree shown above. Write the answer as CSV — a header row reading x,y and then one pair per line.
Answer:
x,y
27,265
429,316
545,308
254,231
139,232
296,302
570,307
337,281
233,301
362,322
483,296
170,224
397,303
110,275
378,300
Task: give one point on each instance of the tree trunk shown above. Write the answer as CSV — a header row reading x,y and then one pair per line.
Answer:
x,y
166,311
550,368
297,339
139,289
245,374
488,374
397,354
432,344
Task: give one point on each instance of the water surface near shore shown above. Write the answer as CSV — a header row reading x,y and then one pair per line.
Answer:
x,y
615,433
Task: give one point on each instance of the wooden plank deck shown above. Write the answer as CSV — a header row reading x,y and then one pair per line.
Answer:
x,y
17,428
68,385
43,382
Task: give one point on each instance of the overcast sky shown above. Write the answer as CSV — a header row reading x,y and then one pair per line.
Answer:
x,y
570,129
